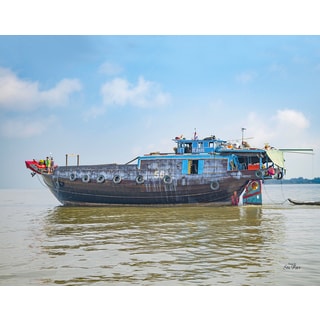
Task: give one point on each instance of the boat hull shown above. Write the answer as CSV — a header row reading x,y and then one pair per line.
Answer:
x,y
83,188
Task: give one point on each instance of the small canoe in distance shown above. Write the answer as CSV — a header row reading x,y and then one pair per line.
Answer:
x,y
308,203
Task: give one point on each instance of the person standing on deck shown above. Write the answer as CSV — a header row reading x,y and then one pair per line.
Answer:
x,y
48,164
51,164
235,198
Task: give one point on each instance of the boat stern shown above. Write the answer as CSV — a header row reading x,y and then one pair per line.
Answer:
x,y
252,193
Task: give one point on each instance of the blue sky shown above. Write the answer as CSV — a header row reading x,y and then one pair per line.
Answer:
x,y
111,98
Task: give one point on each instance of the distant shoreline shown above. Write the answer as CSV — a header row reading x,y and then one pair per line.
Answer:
x,y
299,180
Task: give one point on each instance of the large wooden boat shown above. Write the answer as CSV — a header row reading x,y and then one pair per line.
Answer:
x,y
199,171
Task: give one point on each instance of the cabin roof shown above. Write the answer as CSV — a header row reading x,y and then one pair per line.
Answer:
x,y
198,140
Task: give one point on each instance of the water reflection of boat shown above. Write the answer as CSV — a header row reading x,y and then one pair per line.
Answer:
x,y
159,246
308,203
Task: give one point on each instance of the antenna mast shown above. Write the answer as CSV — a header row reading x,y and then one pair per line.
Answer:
x,y
242,129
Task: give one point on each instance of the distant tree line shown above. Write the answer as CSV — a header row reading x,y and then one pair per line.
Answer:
x,y
299,180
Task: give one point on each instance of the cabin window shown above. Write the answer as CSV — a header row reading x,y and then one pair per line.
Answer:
x,y
188,148
200,147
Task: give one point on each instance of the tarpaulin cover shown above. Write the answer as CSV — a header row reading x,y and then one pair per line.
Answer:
x,y
276,156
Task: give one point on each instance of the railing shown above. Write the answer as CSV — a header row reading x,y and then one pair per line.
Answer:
x,y
198,150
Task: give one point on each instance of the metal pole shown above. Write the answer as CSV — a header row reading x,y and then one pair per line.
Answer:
x,y
242,129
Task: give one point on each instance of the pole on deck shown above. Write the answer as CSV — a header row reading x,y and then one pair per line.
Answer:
x,y
73,155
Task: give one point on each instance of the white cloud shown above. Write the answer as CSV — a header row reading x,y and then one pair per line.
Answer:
x,y
292,118
59,95
144,94
286,128
110,69
19,94
26,128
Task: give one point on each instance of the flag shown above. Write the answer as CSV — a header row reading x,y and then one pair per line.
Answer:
x,y
195,137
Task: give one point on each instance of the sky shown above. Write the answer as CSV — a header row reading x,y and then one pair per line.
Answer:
x,y
111,98
110,84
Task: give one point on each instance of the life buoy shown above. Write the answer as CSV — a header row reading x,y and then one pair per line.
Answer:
x,y
214,185
139,179
167,179
86,178
259,173
116,179
254,185
101,178
280,175
73,176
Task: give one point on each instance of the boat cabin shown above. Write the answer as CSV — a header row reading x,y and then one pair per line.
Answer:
x,y
239,158
207,145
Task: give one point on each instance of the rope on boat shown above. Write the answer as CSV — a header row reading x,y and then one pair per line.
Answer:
x,y
271,200
283,196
